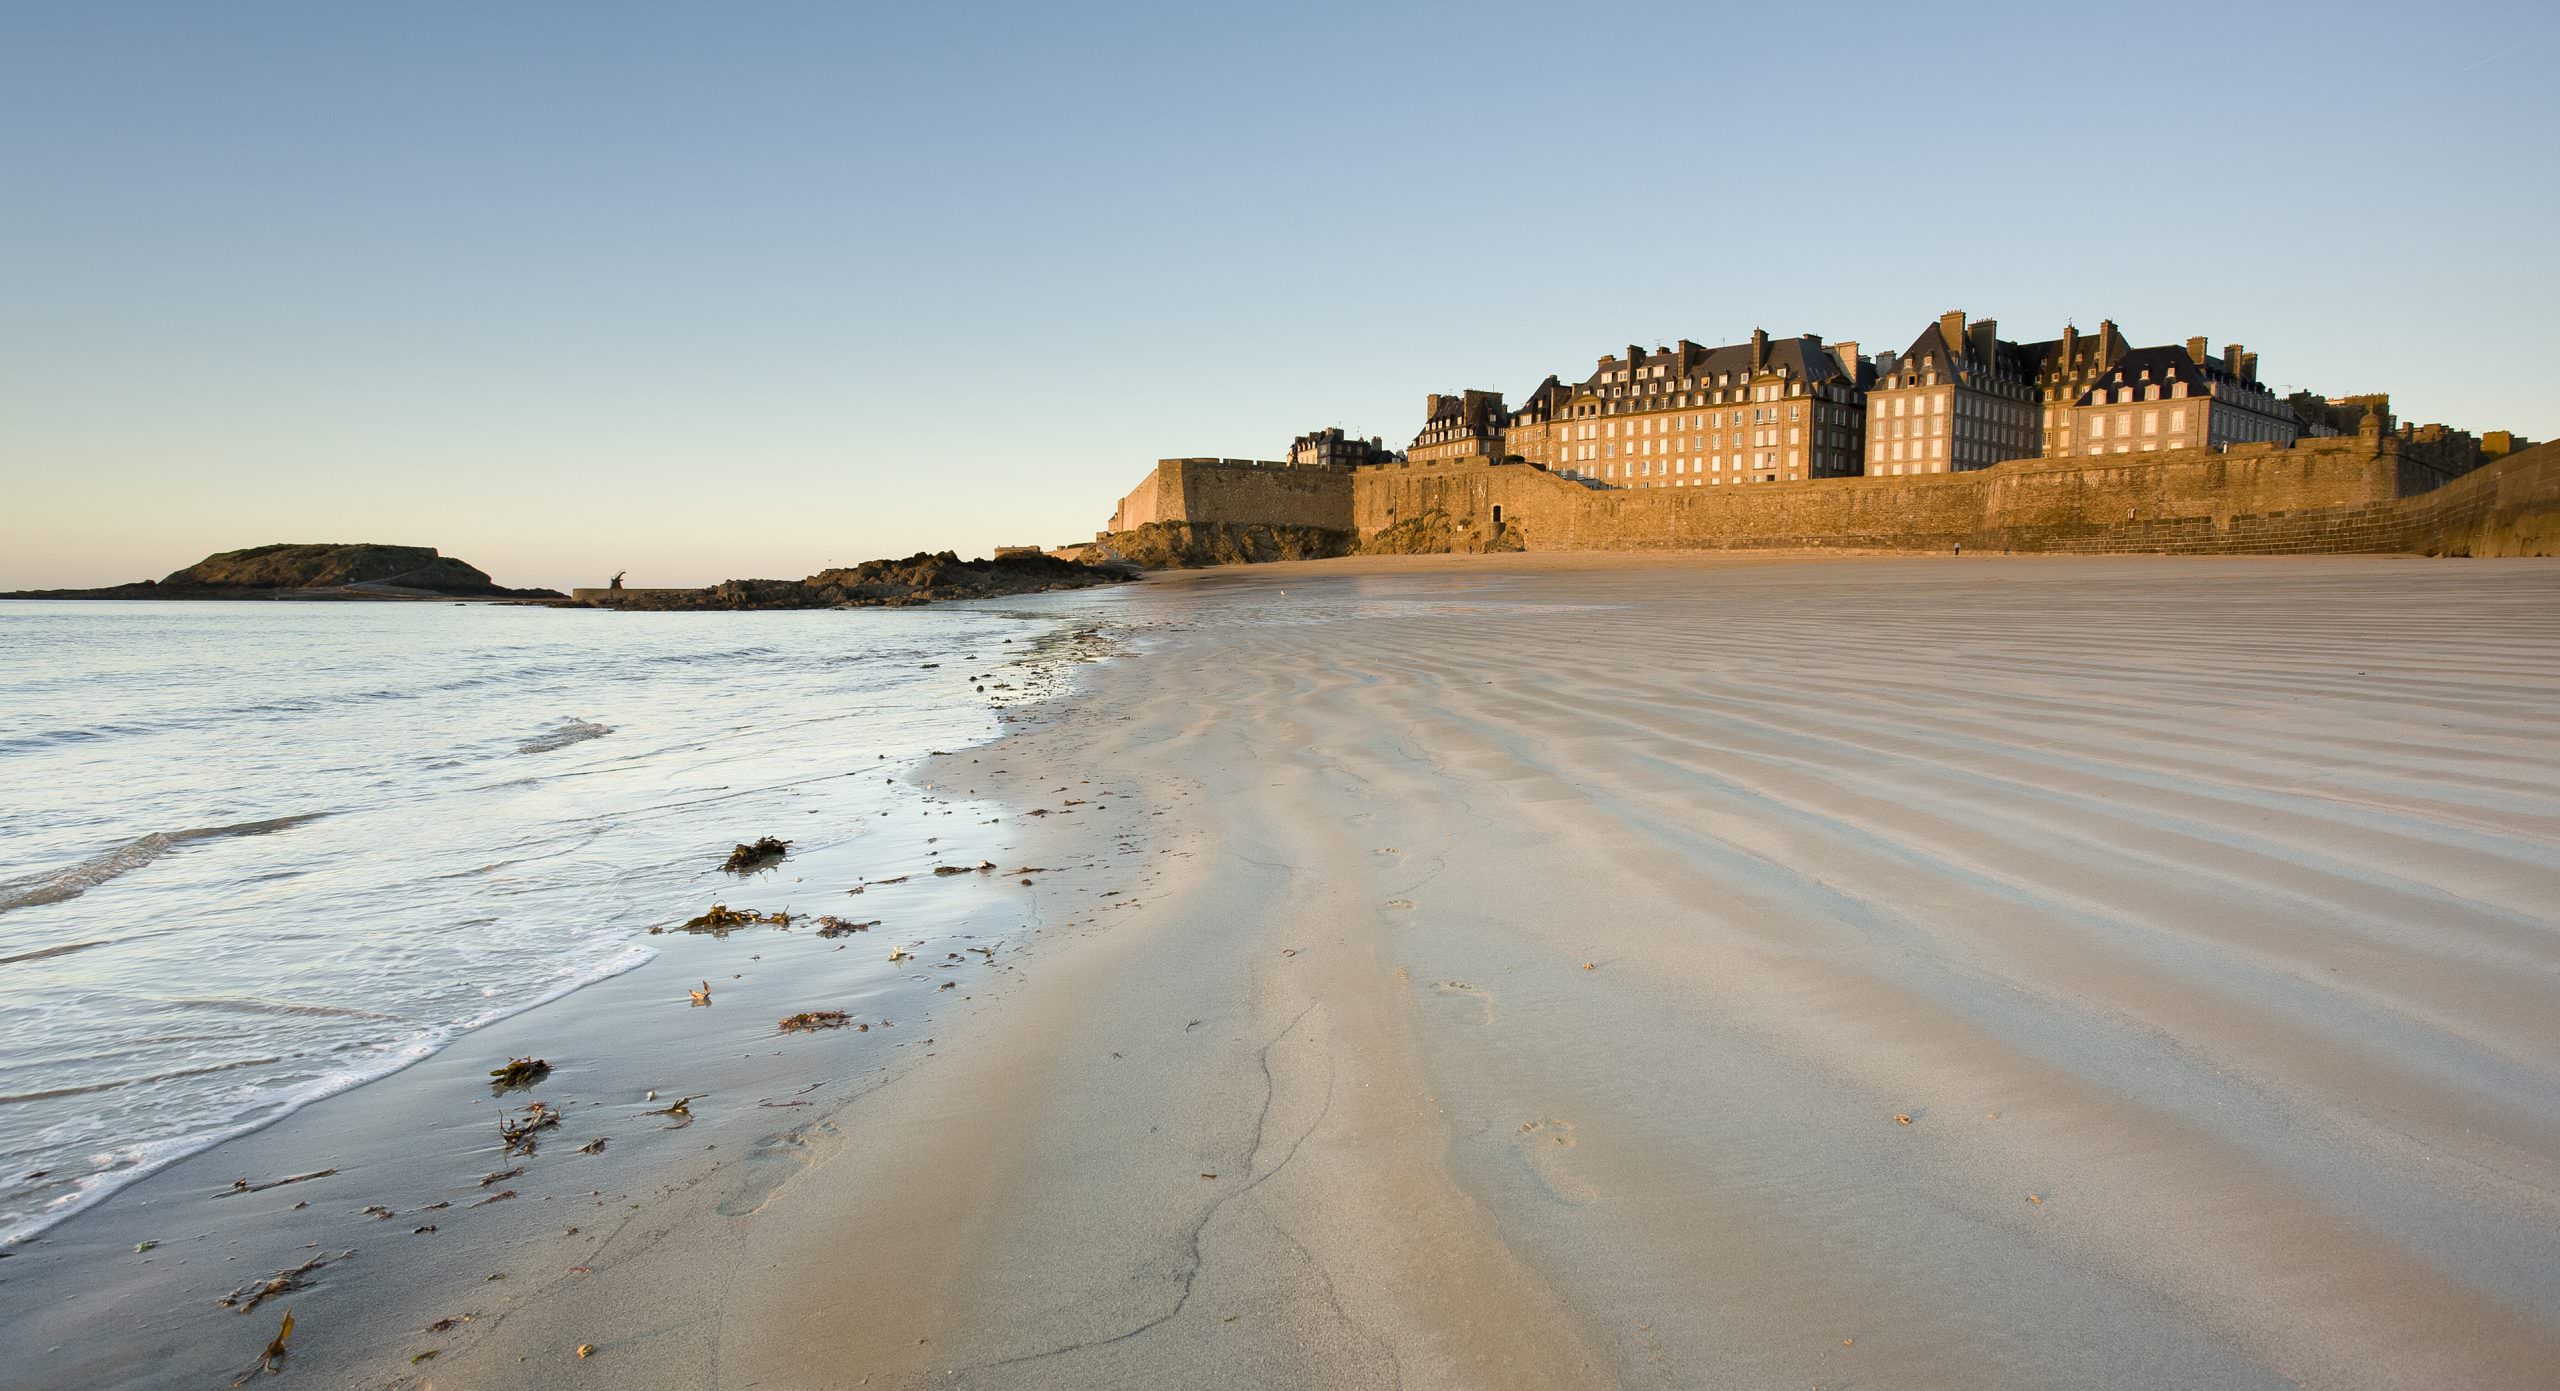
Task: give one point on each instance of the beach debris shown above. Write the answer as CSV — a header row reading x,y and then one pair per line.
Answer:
x,y
586,1350
2039,1202
946,985
830,925
489,1180
249,1296
901,954
1590,966
429,1355
498,1197
268,1360
422,1231
519,1072
450,1322
747,859
682,1110
809,1021
1901,1119
721,919
377,1212
701,996
594,1146
141,1246
242,1185
519,1135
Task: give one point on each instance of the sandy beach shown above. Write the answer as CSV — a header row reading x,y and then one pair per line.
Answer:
x,y
1572,971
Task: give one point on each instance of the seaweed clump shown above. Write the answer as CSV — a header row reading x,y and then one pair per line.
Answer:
x,y
722,918
519,1072
747,859
810,1021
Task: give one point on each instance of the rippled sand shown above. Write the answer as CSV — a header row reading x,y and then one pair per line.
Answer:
x,y
1579,971
1760,973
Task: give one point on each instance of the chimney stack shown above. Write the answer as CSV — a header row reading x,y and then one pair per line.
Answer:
x,y
1845,352
2196,350
1759,348
2107,338
2231,355
1951,328
2249,368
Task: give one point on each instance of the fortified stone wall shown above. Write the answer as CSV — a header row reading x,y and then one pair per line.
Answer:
x,y
1240,492
2331,494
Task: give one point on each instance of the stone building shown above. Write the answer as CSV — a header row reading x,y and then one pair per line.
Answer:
x,y
2065,368
2179,398
1468,425
2327,417
1765,411
1532,436
1330,448
1960,398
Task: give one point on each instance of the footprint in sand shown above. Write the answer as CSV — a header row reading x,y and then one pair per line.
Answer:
x,y
1483,998
1545,1146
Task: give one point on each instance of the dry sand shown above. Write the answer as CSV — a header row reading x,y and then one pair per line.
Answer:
x,y
1704,972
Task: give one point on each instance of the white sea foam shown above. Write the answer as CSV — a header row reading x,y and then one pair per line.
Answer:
x,y
177,988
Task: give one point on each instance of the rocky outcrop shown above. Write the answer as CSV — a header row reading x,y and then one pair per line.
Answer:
x,y
1193,545
922,578
325,570
1434,533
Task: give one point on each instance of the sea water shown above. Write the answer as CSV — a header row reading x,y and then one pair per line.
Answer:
x,y
255,853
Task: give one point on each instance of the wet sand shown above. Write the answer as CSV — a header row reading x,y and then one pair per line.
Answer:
x,y
1672,971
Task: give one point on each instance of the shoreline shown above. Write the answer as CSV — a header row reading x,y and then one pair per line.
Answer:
x,y
402,1140
1519,970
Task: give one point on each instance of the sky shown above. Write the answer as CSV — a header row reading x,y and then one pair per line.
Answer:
x,y
702,291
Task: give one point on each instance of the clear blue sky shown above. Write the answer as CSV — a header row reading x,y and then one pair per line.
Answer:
x,y
741,290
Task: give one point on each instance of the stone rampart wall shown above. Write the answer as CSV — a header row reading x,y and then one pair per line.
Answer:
x,y
1238,492
2323,495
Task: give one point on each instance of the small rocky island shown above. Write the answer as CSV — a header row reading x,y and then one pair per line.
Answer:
x,y
313,571
922,578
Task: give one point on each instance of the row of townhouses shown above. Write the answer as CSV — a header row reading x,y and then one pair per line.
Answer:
x,y
1959,397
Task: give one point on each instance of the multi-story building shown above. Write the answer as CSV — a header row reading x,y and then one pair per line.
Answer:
x,y
1959,399
2065,368
1765,411
2180,398
1532,435
1468,425
1330,448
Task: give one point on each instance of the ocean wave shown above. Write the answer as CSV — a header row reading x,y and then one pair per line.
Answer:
x,y
246,1006
114,1084
41,953
126,858
132,1163
563,734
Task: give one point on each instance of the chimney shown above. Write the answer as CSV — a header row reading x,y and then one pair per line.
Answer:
x,y
2107,339
1846,352
2231,355
1986,341
2196,350
2249,368
1759,348
1951,329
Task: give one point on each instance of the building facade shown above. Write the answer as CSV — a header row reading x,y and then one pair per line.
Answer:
x,y
1330,448
1766,411
2180,398
1468,425
1960,398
